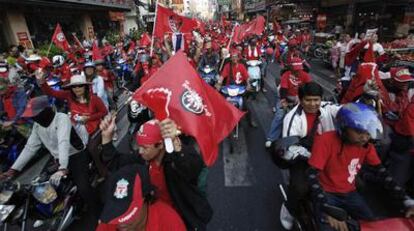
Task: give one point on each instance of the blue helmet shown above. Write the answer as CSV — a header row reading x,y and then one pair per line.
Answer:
x,y
360,117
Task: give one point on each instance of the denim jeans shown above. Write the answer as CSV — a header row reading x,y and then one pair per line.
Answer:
x,y
352,203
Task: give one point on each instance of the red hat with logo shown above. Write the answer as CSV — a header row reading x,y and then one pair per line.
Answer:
x,y
400,74
235,52
296,63
149,133
125,198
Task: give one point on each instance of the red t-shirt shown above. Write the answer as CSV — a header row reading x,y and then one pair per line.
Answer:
x,y
158,180
240,74
161,217
96,109
292,83
310,119
339,163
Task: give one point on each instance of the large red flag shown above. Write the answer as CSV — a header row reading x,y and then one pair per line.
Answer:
x,y
254,27
168,21
196,107
59,39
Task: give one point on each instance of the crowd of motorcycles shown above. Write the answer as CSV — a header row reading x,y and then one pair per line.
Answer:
x,y
57,207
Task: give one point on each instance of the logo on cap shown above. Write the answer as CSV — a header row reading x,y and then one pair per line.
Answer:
x,y
121,190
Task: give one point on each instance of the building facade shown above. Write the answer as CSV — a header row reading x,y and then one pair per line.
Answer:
x,y
32,23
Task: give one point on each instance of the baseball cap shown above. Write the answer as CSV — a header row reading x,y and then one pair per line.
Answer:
x,y
401,74
149,133
297,64
124,198
35,106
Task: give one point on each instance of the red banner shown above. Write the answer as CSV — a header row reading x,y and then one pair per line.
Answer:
x,y
59,39
254,27
169,22
176,91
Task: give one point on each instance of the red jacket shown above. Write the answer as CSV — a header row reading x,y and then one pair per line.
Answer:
x,y
96,109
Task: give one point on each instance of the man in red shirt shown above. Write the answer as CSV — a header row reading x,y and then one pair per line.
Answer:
x,y
234,72
291,81
336,160
175,175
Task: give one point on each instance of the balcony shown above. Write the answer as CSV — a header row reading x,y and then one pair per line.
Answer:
x,y
119,5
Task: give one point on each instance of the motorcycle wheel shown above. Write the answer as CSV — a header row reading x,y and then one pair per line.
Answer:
x,y
318,53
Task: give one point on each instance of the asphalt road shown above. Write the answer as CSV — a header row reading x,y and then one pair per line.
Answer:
x,y
243,185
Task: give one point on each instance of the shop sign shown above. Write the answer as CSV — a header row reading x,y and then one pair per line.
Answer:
x,y
149,18
24,39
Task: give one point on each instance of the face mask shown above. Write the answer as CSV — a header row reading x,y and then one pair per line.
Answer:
x,y
45,117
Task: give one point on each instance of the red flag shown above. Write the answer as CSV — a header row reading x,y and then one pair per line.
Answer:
x,y
78,43
96,52
59,39
195,106
145,40
168,21
254,27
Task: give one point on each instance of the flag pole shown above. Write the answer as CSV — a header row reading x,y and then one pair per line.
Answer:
x,y
48,50
153,29
228,48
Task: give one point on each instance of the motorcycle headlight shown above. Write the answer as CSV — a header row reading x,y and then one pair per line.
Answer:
x,y
44,193
5,211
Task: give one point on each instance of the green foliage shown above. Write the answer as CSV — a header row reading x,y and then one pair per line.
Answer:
x,y
54,50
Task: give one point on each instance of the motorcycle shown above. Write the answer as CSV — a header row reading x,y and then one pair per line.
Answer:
x,y
51,206
234,95
209,75
124,73
321,51
254,74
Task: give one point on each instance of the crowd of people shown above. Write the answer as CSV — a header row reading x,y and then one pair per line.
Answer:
x,y
72,96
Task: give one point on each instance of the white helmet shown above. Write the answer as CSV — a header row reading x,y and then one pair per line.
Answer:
x,y
58,60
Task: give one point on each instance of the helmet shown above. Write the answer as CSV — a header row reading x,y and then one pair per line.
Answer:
x,y
89,64
360,117
58,60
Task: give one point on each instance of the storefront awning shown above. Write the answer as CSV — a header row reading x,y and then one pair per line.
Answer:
x,y
72,4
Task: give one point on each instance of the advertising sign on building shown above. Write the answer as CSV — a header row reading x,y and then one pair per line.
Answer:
x,y
24,40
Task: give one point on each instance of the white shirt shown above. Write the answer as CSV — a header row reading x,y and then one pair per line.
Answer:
x,y
56,139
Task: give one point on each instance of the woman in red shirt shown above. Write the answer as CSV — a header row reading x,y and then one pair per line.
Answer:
x,y
85,108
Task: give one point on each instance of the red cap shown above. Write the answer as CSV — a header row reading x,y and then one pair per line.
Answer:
x,y
401,74
292,42
235,52
296,64
149,133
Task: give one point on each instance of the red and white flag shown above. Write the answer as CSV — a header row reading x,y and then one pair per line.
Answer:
x,y
167,21
176,91
254,27
59,39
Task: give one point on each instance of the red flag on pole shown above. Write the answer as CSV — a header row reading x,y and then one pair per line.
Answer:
x,y
196,107
254,27
170,22
78,43
59,39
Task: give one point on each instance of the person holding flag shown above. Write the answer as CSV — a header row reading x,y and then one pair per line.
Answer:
x,y
176,176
